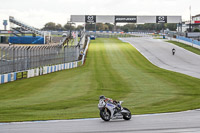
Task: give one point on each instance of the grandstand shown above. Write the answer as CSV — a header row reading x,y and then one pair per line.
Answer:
x,y
25,26
42,37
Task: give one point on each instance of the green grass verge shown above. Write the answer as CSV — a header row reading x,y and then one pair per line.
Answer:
x,y
158,38
114,69
113,35
187,47
4,34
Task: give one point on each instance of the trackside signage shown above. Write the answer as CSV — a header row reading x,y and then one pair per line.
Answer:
x,y
161,19
5,22
125,19
90,18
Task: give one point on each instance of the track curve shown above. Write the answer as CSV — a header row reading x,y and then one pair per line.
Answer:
x,y
159,53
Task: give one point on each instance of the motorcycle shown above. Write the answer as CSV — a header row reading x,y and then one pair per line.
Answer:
x,y
113,111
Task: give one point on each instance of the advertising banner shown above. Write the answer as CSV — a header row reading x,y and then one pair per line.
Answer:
x,y
66,65
32,73
15,76
90,18
52,68
45,70
41,70
5,78
36,72
29,73
161,19
197,22
9,77
125,19
63,66
2,79
19,75
74,64
48,69
12,76
5,22
56,67
24,74
59,67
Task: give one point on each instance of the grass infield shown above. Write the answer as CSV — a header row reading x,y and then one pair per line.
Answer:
x,y
114,69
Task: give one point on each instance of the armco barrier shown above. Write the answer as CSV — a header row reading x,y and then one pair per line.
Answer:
x,y
188,40
4,78
8,77
85,51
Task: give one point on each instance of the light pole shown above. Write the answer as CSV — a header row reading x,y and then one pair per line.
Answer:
x,y
190,27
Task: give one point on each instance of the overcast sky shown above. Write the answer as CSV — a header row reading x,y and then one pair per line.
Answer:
x,y
38,12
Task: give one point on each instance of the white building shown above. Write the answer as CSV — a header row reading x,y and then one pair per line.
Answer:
x,y
196,22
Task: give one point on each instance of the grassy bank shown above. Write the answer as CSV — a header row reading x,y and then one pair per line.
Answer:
x,y
114,69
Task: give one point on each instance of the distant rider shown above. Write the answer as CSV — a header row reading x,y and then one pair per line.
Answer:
x,y
173,51
109,100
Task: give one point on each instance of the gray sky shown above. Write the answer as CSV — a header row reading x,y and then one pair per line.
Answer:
x,y
38,12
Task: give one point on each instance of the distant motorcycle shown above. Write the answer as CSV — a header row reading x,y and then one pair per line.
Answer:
x,y
111,111
173,51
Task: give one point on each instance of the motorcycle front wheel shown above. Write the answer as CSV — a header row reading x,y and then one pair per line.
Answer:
x,y
127,116
105,114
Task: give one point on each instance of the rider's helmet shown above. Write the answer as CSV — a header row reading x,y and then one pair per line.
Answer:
x,y
102,97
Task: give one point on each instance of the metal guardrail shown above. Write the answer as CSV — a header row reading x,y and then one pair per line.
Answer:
x,y
190,40
19,58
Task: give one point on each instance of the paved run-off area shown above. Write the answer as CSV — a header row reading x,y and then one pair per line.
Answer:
x,y
112,68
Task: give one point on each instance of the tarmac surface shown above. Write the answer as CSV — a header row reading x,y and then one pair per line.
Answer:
x,y
159,53
180,122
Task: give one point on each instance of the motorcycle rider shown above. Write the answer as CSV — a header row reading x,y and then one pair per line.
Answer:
x,y
109,100
173,51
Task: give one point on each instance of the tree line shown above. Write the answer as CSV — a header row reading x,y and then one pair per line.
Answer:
x,y
109,27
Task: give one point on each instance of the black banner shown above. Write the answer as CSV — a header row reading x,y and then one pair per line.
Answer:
x,y
90,18
25,74
22,75
19,75
161,19
125,19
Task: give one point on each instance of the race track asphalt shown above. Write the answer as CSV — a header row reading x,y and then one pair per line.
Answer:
x,y
159,52
180,122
